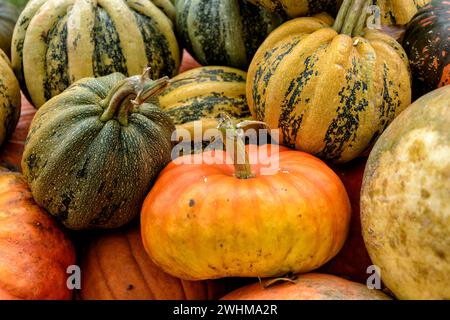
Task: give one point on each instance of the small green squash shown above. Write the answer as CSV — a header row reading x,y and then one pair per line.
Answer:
x,y
8,18
93,151
57,42
203,94
10,101
299,8
405,207
223,32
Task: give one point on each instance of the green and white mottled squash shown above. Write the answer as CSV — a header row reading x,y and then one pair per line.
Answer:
x,y
223,32
299,8
203,94
93,151
405,208
57,42
398,11
329,90
10,101
8,18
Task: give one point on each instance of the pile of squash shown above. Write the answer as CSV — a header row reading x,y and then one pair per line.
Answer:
x,y
347,198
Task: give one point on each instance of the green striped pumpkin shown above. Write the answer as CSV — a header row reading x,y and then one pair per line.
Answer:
x,y
93,151
8,18
202,94
9,98
57,42
223,32
329,93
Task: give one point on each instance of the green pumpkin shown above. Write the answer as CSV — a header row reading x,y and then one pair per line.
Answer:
x,y
223,32
9,99
8,18
92,152
57,42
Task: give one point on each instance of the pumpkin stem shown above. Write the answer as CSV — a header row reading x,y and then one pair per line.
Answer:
x,y
130,92
352,17
233,135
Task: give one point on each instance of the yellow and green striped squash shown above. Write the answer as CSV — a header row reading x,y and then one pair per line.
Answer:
x,y
299,8
9,98
330,94
399,11
57,42
203,94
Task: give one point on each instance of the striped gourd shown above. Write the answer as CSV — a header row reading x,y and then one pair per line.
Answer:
x,y
8,18
299,8
330,94
202,94
57,42
9,98
398,11
223,32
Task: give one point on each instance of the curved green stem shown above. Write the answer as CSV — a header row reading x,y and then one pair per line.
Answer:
x,y
232,135
351,18
129,92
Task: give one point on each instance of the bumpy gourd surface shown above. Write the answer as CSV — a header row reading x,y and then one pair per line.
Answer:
x,y
405,212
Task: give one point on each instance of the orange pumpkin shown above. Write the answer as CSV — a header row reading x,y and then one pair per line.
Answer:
x,y
210,219
312,286
116,266
34,252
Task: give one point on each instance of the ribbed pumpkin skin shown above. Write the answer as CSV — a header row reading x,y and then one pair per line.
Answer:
x,y
8,18
89,173
10,100
210,224
405,212
202,94
34,252
426,43
331,95
116,267
398,11
223,32
85,38
312,286
299,8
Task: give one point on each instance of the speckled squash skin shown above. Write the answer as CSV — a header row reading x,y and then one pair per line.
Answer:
x,y
116,267
427,45
90,172
405,212
330,94
203,94
223,32
211,224
299,8
85,38
34,252
8,18
311,286
398,11
10,100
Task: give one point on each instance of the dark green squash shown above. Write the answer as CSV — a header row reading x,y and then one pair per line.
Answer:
x,y
93,151
8,18
427,45
223,32
57,42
